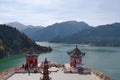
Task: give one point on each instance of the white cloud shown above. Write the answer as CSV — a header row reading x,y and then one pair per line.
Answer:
x,y
46,12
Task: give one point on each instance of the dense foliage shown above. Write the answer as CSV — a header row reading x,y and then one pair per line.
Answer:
x,y
12,41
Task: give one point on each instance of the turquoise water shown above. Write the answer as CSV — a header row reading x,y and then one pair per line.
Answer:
x,y
104,59
11,61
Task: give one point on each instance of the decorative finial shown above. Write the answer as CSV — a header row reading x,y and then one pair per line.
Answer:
x,y
76,46
45,59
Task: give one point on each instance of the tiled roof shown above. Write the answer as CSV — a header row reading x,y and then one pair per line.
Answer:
x,y
32,52
76,53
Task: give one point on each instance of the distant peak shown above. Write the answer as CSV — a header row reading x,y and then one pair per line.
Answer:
x,y
72,22
115,23
14,22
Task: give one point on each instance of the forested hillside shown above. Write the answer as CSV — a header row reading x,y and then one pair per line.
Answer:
x,y
12,42
104,35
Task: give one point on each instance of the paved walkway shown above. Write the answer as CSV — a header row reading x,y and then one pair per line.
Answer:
x,y
60,75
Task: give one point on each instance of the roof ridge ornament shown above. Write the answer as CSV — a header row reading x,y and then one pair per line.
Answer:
x,y
76,46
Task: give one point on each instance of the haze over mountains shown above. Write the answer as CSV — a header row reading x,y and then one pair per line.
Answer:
x,y
27,29
56,30
77,32
30,31
21,26
104,35
59,30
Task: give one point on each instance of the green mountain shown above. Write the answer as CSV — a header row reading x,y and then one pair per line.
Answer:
x,y
29,31
59,30
103,35
12,42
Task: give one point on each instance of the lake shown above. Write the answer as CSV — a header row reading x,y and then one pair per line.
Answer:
x,y
104,59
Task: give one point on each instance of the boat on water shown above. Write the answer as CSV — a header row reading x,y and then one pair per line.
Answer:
x,y
74,70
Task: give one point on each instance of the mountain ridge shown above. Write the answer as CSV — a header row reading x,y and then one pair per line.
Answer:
x,y
59,29
13,41
21,26
70,32
103,35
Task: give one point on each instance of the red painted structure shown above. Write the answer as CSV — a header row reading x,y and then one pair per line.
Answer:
x,y
76,57
45,71
32,58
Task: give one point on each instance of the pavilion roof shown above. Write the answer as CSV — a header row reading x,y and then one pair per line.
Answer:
x,y
32,52
76,53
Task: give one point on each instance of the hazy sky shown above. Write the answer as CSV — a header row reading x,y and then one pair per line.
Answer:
x,y
47,12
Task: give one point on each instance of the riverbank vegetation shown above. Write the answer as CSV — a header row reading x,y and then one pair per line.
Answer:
x,y
13,41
